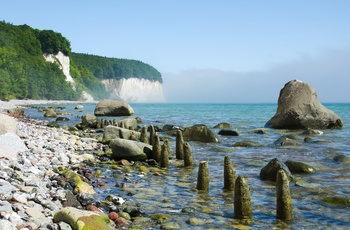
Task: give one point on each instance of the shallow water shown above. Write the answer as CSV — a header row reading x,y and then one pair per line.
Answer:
x,y
175,190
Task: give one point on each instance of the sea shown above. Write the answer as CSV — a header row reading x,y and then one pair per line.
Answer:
x,y
174,192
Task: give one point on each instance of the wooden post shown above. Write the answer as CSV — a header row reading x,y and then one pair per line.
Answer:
x,y
203,176
229,175
284,200
242,203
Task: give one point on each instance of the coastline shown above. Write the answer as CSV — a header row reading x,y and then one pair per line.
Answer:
x,y
12,104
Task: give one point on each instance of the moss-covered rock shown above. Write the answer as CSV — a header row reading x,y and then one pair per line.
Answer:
x,y
246,144
83,220
337,200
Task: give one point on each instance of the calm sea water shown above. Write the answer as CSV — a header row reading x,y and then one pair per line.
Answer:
x,y
175,190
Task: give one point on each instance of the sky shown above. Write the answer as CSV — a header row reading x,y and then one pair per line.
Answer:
x,y
217,51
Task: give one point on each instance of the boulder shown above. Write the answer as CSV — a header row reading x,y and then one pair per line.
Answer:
x,y
299,167
129,123
7,124
286,141
111,132
50,113
10,145
228,132
89,120
269,172
199,133
130,150
223,125
80,107
113,108
299,108
83,219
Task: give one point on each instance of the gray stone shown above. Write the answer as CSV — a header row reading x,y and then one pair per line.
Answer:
x,y
199,133
89,120
223,125
50,113
299,108
113,108
111,132
228,132
130,150
7,225
269,172
129,123
5,206
7,124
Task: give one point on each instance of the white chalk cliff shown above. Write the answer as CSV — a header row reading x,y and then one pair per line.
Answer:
x,y
135,90
131,90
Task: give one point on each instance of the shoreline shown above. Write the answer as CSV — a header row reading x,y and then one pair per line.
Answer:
x,y
12,104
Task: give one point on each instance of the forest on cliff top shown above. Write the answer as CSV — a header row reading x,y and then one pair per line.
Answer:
x,y
24,73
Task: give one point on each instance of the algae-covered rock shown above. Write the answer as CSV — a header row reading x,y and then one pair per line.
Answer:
x,y
76,181
246,144
161,217
82,219
299,167
342,158
199,133
337,200
269,172
196,221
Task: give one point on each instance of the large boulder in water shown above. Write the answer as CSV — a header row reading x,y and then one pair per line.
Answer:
x,y
199,133
113,108
111,132
299,108
130,150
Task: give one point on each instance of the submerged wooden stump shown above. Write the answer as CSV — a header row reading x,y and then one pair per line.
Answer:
x,y
188,160
164,157
242,202
284,200
229,175
179,145
156,148
203,176
144,137
151,134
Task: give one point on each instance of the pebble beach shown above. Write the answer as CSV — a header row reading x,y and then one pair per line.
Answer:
x,y
32,189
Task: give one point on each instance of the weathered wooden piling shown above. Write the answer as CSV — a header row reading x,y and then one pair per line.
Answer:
x,y
151,134
188,160
284,200
143,136
203,176
167,145
156,148
179,145
229,175
242,202
164,157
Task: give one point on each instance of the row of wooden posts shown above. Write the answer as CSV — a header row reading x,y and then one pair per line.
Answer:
x,y
242,202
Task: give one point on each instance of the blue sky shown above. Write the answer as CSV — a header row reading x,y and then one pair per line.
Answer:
x,y
210,51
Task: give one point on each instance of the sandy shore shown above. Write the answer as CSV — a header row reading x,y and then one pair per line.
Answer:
x,y
5,105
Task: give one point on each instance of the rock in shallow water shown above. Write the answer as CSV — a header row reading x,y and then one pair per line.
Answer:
x,y
299,108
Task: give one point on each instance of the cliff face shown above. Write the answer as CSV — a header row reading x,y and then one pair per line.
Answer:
x,y
135,90
131,89
63,61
